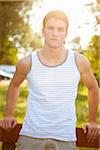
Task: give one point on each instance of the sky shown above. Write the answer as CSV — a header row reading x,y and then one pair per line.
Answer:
x,y
76,12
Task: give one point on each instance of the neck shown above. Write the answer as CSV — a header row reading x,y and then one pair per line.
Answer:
x,y
53,53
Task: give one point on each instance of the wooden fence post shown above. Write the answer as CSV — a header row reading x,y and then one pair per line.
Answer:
x,y
9,138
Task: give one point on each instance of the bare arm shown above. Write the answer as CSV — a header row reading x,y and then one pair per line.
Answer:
x,y
13,90
89,80
93,94
22,68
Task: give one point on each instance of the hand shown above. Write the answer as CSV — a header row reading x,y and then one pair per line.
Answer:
x,y
8,123
91,130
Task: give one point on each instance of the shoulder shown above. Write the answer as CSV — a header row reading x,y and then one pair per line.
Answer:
x,y
23,66
82,62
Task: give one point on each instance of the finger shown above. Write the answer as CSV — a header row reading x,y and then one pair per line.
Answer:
x,y
95,134
0,123
89,132
7,124
11,123
4,126
98,130
92,135
85,129
14,123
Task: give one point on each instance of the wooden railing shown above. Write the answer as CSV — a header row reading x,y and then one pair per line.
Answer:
x,y
8,139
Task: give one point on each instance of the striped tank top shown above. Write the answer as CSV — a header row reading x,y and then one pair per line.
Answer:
x,y
51,101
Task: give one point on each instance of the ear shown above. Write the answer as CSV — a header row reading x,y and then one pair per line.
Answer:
x,y
43,31
66,34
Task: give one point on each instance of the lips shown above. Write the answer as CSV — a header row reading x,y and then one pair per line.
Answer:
x,y
54,39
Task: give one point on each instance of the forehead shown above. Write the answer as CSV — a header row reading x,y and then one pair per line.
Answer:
x,y
55,22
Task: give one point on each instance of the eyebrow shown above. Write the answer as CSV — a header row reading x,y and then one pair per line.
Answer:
x,y
60,28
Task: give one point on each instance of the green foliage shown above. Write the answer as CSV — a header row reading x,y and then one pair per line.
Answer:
x,y
93,54
8,53
14,29
37,41
22,101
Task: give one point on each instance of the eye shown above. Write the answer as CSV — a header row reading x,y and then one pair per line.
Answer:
x,y
50,28
60,29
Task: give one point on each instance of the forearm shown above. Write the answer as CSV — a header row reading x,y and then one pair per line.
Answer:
x,y
93,99
12,97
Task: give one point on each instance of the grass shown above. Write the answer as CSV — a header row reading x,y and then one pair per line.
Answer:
x,y
22,102
81,105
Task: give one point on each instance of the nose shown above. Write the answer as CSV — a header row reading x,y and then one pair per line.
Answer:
x,y
55,32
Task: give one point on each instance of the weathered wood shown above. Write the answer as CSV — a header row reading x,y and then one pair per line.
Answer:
x,y
82,140
9,138
8,146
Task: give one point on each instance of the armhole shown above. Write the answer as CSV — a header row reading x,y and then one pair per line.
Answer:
x,y
75,53
30,57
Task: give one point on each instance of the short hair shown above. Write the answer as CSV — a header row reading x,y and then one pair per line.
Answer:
x,y
57,14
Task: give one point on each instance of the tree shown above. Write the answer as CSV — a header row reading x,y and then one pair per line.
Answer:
x,y
8,53
94,9
93,54
93,48
91,21
14,28
36,41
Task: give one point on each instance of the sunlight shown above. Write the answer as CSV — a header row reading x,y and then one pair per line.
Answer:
x,y
76,11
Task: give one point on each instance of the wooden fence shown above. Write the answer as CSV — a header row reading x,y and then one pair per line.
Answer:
x,y
8,139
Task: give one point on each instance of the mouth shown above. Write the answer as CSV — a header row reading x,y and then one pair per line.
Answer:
x,y
54,39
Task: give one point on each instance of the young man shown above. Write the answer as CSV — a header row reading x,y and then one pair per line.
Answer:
x,y
53,74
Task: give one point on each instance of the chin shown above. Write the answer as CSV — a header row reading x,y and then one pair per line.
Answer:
x,y
54,45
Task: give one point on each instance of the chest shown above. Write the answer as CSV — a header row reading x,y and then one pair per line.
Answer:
x,y
54,78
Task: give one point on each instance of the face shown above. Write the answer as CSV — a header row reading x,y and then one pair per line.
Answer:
x,y
54,32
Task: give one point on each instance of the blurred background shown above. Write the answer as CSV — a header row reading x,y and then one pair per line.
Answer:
x,y
20,34
21,23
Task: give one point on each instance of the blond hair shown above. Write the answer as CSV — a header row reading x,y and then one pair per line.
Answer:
x,y
57,14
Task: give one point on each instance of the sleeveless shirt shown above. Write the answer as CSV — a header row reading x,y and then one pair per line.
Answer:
x,y
51,101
